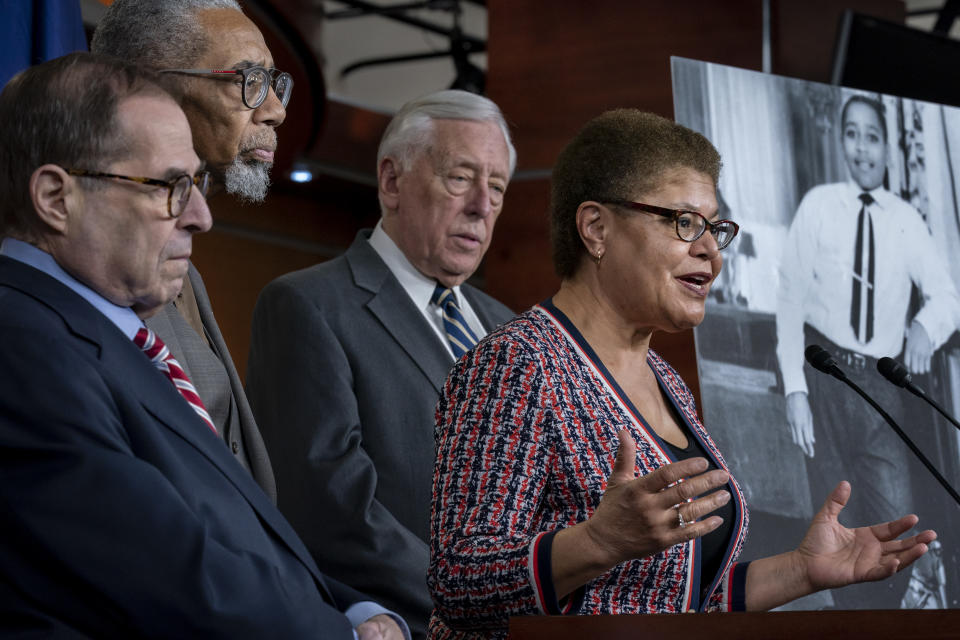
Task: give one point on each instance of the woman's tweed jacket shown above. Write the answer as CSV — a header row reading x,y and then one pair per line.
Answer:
x,y
526,438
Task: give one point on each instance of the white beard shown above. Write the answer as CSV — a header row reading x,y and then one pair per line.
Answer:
x,y
249,181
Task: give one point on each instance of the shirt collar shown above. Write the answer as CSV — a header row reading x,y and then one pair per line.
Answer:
x,y
418,286
880,195
123,317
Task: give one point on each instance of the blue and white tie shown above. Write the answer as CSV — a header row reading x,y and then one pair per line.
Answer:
x,y
455,326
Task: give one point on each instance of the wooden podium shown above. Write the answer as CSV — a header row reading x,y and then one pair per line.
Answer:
x,y
848,625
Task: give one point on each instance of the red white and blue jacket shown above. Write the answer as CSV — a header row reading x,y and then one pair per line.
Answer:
x,y
526,433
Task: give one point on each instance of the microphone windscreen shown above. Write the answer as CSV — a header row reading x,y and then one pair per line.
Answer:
x,y
819,358
893,371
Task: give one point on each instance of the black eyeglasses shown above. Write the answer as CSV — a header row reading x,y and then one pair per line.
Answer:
x,y
690,224
256,83
178,189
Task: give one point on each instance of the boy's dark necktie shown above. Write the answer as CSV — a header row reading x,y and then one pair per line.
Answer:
x,y
861,303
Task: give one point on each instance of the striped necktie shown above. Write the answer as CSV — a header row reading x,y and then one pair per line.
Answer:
x,y
455,326
151,344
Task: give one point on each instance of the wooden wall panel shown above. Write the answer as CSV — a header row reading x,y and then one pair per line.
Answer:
x,y
553,66
517,269
242,266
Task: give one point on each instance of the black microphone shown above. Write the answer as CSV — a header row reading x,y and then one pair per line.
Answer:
x,y
898,375
821,360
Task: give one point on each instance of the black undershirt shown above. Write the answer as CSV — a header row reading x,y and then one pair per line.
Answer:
x,y
714,544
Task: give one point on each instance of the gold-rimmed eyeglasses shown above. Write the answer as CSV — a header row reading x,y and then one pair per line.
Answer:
x,y
178,189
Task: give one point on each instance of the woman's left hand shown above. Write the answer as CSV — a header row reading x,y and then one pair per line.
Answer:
x,y
834,556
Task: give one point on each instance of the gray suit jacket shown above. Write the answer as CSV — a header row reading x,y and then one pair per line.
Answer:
x,y
344,376
244,442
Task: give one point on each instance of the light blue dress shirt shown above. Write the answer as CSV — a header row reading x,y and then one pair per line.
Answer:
x,y
126,320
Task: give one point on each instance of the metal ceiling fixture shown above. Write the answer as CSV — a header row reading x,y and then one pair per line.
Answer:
x,y
469,77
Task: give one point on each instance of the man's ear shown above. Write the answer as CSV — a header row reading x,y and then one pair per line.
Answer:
x,y
591,224
52,192
388,177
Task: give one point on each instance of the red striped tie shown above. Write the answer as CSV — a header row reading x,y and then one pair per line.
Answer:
x,y
161,358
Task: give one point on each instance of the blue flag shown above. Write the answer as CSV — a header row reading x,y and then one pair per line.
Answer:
x,y
33,31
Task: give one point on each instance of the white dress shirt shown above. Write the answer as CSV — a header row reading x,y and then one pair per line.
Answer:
x,y
816,276
420,288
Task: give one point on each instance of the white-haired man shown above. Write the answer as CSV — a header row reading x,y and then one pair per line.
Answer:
x,y
347,357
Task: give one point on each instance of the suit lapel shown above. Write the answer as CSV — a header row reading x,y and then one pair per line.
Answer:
x,y
120,357
480,307
210,328
82,318
215,344
161,324
219,347
397,314
165,403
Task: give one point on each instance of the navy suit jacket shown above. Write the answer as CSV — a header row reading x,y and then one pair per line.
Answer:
x,y
121,513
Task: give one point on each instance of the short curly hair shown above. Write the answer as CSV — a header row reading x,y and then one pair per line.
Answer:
x,y
620,154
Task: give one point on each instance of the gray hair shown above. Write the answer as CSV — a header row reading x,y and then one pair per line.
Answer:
x,y
62,112
155,33
411,128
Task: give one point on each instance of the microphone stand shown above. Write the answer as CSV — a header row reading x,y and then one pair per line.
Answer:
x,y
920,393
824,362
893,425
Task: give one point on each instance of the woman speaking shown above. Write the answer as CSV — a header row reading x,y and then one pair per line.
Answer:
x,y
573,474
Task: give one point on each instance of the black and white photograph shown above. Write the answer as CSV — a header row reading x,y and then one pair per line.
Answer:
x,y
849,219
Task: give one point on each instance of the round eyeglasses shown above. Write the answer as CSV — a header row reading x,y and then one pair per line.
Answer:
x,y
256,83
179,188
690,224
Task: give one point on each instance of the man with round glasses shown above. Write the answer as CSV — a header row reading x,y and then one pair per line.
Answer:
x,y
179,189
124,516
216,61
256,82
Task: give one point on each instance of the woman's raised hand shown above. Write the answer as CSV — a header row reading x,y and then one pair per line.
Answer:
x,y
640,516
835,556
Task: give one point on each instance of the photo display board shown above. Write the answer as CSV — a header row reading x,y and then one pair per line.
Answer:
x,y
849,219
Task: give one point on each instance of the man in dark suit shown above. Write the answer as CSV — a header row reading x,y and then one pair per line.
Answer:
x,y
123,514
347,357
235,135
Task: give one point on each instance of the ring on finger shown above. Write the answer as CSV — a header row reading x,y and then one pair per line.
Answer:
x,y
680,521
